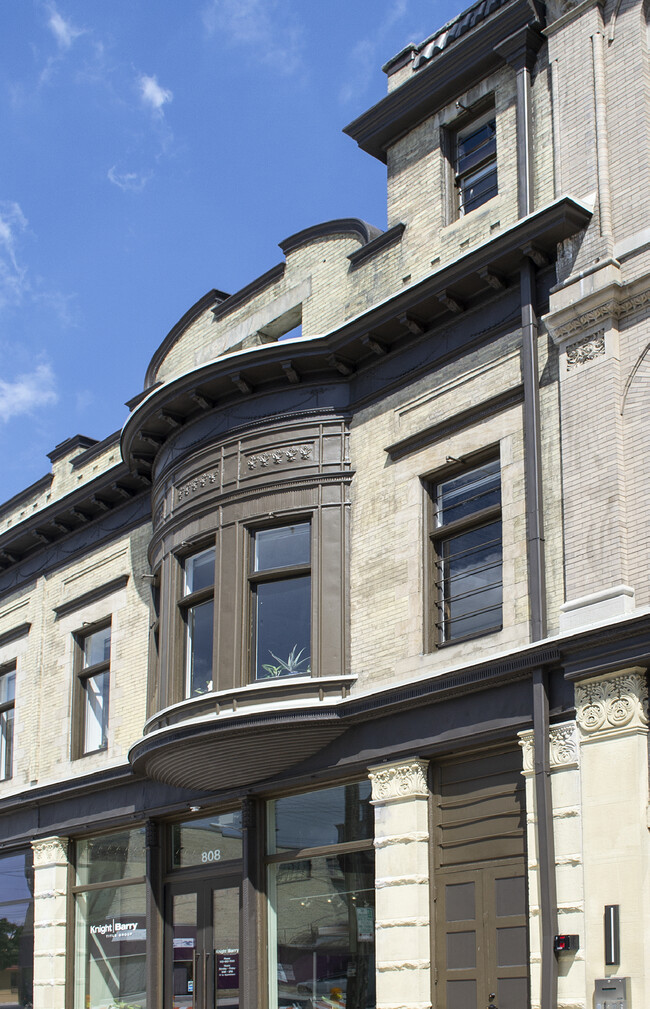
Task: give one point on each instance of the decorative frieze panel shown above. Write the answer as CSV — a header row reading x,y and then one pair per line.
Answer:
x,y
614,702
197,483
280,456
399,781
587,349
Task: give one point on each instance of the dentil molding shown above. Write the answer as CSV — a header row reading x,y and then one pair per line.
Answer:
x,y
404,780
618,701
50,851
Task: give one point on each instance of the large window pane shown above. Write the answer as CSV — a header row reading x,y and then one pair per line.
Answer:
x,y
110,948
111,856
283,547
200,627
325,932
199,571
469,493
330,816
283,627
97,647
207,841
16,931
472,581
6,743
96,716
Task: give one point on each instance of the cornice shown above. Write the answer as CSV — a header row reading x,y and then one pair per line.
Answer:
x,y
352,227
291,366
384,240
200,306
608,303
469,58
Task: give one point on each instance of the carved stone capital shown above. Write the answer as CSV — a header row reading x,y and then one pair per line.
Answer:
x,y
404,780
563,747
50,851
586,349
616,701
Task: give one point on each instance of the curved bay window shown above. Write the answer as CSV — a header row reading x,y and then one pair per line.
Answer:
x,y
322,899
197,607
280,589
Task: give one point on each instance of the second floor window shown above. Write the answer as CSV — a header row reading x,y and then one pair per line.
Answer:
x,y
476,164
94,677
7,697
197,606
467,550
280,591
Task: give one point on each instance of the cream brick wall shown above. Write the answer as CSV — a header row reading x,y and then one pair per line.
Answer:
x,y
388,516
45,661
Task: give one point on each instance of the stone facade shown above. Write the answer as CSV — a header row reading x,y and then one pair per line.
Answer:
x,y
512,338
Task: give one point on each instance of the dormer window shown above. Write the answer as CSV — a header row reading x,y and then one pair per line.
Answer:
x,y
475,163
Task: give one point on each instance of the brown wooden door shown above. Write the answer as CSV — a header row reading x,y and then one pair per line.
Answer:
x,y
481,933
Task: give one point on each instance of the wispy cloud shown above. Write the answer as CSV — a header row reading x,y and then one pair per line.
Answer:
x,y
13,276
64,31
366,54
129,182
28,392
152,95
269,30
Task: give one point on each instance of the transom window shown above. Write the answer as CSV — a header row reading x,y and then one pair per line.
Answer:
x,y
467,553
7,698
94,677
476,164
280,590
197,607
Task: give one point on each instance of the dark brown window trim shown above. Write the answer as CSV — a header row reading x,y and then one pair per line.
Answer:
x,y
81,675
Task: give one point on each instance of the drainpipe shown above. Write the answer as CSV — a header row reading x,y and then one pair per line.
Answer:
x,y
520,51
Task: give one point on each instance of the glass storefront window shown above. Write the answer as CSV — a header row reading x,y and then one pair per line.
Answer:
x,y
325,924
16,930
208,841
110,948
111,856
110,922
330,816
322,907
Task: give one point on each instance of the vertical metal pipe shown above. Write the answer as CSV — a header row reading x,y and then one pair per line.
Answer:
x,y
602,144
524,143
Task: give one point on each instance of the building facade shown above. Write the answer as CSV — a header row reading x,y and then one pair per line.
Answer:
x,y
323,683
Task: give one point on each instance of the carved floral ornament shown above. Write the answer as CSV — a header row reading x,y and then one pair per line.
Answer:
x,y
50,851
618,702
278,456
405,780
587,349
563,747
203,480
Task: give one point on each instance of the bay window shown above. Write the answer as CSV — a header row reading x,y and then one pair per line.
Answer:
x,y
197,607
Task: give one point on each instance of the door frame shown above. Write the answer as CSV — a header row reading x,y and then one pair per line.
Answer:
x,y
202,884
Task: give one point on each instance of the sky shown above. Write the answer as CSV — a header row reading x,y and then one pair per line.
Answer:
x,y
153,151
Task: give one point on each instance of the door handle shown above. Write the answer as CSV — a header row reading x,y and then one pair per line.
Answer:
x,y
205,977
491,997
195,957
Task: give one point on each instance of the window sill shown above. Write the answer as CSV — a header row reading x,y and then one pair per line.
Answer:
x,y
283,692
467,637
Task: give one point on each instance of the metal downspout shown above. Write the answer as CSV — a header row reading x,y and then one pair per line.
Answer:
x,y
522,58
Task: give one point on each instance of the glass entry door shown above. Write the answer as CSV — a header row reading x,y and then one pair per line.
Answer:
x,y
202,964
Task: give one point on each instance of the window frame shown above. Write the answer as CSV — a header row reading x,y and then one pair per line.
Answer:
x,y
82,675
189,601
437,631
7,739
471,121
268,576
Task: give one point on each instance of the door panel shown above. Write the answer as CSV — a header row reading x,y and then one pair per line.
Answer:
x,y
225,941
481,908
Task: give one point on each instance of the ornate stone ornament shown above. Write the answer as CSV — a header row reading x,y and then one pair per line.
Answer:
x,y
279,456
618,702
50,851
587,349
407,779
563,747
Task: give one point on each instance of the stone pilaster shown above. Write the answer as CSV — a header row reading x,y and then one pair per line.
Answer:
x,y
612,717
565,795
50,910
403,937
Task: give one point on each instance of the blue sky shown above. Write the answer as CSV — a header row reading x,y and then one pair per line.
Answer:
x,y
152,152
